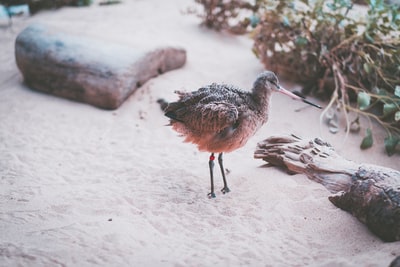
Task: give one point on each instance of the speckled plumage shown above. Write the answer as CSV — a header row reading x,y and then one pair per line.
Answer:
x,y
219,117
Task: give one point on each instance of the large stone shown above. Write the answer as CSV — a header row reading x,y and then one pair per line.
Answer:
x,y
99,73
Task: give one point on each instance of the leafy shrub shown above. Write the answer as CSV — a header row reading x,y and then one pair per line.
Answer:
x,y
329,48
36,5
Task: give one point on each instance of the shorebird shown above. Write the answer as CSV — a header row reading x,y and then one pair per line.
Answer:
x,y
220,118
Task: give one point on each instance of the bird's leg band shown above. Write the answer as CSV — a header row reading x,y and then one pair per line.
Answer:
x,y
211,165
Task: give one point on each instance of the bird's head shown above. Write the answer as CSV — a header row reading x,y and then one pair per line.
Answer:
x,y
267,80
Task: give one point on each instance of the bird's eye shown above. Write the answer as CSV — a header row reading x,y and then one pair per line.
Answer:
x,y
276,84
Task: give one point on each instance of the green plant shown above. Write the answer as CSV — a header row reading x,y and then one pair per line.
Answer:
x,y
228,15
37,5
336,54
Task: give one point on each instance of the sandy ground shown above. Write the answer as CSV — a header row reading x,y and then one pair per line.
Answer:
x,y
82,186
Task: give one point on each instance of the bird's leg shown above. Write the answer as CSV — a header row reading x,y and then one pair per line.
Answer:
x,y
225,189
211,165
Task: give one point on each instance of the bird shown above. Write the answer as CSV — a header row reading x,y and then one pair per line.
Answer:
x,y
220,118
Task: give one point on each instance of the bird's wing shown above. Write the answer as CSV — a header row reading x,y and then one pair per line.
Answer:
x,y
206,117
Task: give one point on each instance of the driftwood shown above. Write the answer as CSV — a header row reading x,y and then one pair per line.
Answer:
x,y
369,192
87,70
395,262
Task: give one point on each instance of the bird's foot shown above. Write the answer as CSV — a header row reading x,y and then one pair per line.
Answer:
x,y
211,195
225,190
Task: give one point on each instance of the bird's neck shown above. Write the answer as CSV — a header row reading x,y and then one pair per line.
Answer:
x,y
261,96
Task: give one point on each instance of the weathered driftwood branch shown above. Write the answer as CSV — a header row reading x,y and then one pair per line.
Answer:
x,y
369,192
87,70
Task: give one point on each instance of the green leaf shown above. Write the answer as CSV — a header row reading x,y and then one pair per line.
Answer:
x,y
389,108
397,116
379,91
286,21
376,90
301,41
367,68
390,144
372,3
254,20
368,140
397,91
368,37
363,100
331,6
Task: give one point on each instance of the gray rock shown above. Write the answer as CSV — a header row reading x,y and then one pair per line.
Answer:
x,y
86,70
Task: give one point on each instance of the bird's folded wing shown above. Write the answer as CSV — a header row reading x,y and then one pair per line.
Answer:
x,y
211,117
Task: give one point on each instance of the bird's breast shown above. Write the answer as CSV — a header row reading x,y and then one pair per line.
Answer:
x,y
234,136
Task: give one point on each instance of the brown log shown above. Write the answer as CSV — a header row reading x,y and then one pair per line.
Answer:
x,y
369,192
99,73
395,262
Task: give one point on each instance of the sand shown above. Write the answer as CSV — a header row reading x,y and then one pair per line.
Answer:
x,y
81,186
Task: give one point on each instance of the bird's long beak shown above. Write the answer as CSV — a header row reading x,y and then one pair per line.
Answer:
x,y
296,97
